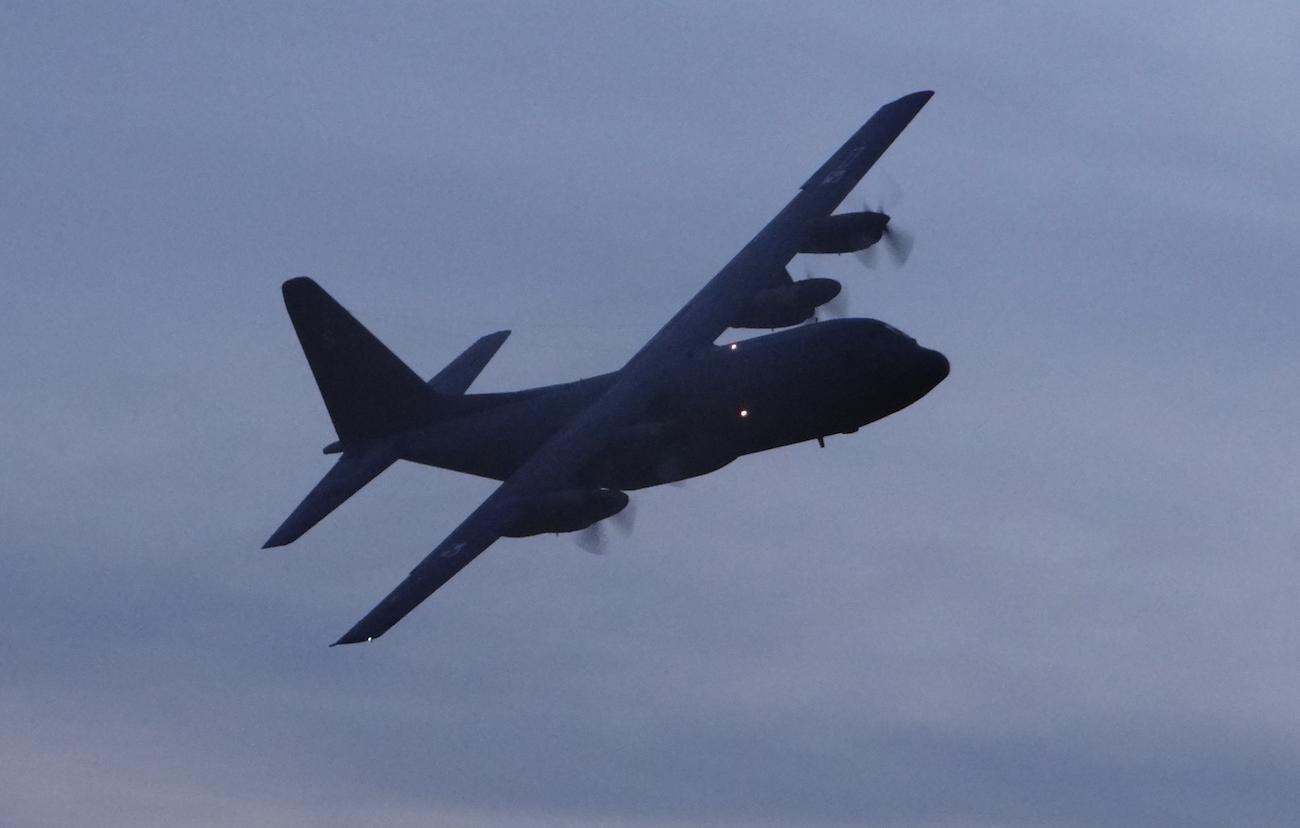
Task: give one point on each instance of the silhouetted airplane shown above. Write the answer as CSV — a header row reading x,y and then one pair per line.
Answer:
x,y
681,407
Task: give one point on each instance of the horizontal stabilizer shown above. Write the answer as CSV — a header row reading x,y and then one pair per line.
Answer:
x,y
352,471
368,391
461,372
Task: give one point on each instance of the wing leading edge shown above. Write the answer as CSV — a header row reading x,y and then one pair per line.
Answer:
x,y
701,321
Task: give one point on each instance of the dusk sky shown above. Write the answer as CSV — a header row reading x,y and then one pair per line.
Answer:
x,y
1062,590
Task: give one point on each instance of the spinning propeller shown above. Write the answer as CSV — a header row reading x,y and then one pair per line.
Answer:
x,y
898,242
836,308
592,539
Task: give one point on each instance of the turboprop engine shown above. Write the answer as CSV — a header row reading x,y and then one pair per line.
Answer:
x,y
788,304
845,232
567,510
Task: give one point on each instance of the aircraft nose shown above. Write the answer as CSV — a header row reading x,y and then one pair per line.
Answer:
x,y
931,369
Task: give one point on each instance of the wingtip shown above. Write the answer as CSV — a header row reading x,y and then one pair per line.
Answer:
x,y
280,538
918,98
351,639
357,635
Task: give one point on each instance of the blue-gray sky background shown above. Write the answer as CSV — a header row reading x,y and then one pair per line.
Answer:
x,y
1062,590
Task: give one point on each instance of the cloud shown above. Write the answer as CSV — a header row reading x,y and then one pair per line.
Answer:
x,y
1056,591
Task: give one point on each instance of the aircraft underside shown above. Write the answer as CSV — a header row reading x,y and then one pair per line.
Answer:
x,y
761,393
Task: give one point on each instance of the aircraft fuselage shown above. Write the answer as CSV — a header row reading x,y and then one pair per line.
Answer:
x,y
720,403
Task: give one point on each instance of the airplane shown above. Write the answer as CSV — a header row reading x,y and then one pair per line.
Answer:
x,y
681,407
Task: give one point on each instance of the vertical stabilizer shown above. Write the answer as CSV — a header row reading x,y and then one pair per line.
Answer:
x,y
368,391
371,395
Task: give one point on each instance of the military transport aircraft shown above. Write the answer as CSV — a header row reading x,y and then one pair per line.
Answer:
x,y
681,407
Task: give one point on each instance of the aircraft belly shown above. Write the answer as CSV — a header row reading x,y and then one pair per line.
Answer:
x,y
766,392
724,405
769,391
500,432
474,447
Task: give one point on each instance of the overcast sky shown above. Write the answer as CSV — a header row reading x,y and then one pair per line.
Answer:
x,y
1061,590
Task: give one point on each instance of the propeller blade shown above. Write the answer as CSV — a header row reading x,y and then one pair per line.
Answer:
x,y
869,257
591,539
594,540
892,195
900,244
625,520
837,308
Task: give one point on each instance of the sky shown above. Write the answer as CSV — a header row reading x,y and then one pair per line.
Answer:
x,y
1062,590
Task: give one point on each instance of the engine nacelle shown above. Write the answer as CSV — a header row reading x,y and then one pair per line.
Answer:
x,y
567,510
844,232
788,304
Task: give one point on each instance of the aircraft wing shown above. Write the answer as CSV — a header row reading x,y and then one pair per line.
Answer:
x,y
696,326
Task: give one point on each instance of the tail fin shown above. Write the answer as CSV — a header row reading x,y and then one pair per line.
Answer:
x,y
368,391
371,396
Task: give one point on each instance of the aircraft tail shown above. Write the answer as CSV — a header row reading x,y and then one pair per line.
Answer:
x,y
461,372
371,395
368,391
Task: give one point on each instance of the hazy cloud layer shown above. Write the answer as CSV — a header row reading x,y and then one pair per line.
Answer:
x,y
1059,591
